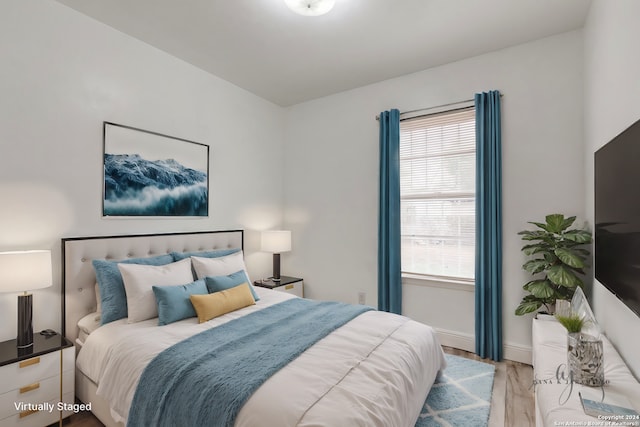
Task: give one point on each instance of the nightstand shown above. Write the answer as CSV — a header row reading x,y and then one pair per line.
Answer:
x,y
41,376
290,285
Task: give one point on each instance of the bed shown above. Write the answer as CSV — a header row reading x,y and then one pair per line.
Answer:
x,y
375,370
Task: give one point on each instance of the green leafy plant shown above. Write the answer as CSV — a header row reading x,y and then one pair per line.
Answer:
x,y
558,262
572,322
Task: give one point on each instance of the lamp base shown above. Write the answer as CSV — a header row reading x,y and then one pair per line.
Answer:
x,y
276,268
25,320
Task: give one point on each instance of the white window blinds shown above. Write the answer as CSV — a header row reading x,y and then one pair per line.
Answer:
x,y
437,188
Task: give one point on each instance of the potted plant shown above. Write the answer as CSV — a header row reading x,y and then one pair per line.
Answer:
x,y
572,322
558,262
584,352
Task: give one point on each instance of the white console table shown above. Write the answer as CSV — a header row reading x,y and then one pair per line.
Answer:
x,y
554,405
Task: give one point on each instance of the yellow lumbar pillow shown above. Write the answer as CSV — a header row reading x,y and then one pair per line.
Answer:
x,y
218,303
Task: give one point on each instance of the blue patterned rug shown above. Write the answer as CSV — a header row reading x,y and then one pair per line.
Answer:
x,y
461,395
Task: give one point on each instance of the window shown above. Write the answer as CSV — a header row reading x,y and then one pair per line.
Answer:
x,y
437,190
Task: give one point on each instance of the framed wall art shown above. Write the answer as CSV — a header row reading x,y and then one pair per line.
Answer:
x,y
153,175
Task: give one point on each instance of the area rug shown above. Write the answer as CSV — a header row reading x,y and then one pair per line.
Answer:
x,y
461,395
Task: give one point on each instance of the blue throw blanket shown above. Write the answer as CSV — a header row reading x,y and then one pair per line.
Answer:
x,y
206,379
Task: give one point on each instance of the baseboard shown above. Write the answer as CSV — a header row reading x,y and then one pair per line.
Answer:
x,y
467,342
455,339
518,353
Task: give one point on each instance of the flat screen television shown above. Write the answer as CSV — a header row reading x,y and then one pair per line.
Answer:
x,y
617,216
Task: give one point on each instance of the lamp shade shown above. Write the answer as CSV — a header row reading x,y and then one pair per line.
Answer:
x,y
276,241
25,270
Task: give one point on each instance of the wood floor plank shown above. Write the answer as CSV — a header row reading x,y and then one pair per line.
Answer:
x,y
520,409
499,396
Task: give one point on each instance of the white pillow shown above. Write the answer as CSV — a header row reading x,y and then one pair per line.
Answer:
x,y
89,323
219,266
138,281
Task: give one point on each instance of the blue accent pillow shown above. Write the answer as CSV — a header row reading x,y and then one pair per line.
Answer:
x,y
113,298
174,303
221,283
179,256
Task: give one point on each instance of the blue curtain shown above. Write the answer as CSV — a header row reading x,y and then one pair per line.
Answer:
x,y
389,275
488,226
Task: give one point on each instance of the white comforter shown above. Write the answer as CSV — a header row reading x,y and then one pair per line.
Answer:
x,y
374,371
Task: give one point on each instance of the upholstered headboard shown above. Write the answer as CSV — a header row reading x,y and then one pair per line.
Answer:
x,y
78,277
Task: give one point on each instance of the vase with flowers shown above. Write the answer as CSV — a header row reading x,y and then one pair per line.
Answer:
x,y
585,358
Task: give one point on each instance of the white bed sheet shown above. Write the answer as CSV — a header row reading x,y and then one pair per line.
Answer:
x,y
374,371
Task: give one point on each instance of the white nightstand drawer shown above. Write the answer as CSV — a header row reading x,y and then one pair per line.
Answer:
x,y
26,372
296,289
29,371
37,392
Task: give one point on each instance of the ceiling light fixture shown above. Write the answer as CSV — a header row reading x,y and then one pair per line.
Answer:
x,y
310,7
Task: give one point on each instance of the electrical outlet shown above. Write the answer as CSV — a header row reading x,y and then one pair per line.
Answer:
x,y
362,297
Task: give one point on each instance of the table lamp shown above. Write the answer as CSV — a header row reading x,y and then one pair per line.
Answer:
x,y
22,272
276,242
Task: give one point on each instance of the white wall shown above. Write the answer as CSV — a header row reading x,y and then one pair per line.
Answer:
x,y
612,103
62,75
331,175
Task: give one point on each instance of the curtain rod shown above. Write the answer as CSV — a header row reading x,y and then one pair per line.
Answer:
x,y
424,110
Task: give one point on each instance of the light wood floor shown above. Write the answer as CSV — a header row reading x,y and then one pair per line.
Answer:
x,y
511,406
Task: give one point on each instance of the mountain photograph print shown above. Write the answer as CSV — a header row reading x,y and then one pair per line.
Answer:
x,y
150,174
